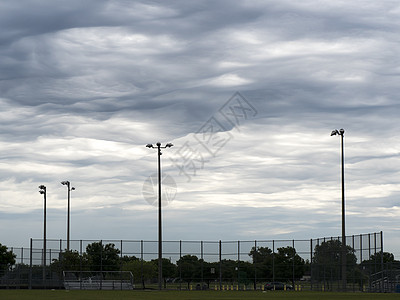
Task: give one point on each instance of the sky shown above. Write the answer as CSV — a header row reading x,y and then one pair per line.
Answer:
x,y
248,92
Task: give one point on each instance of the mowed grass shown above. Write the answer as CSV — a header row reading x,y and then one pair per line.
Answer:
x,y
184,295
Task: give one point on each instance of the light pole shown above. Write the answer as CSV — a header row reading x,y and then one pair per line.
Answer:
x,y
344,281
169,145
42,190
68,184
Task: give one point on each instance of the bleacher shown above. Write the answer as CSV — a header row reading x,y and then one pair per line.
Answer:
x,y
120,281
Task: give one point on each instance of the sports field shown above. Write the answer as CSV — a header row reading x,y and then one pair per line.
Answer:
x,y
184,295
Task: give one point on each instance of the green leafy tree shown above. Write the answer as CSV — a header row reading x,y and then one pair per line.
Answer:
x,y
103,257
210,272
7,258
327,260
142,271
374,263
262,261
126,259
245,272
169,269
385,257
229,270
189,267
288,264
70,260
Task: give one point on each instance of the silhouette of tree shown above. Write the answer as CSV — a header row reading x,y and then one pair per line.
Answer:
x,y
7,258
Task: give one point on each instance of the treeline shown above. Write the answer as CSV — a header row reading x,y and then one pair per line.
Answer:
x,y
263,265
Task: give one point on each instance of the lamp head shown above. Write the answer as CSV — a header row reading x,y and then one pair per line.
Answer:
x,y
341,131
65,182
42,192
42,187
149,146
158,144
72,189
169,145
334,132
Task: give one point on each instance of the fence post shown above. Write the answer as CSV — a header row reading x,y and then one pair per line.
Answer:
x,y
220,264
141,264
80,263
382,266
273,260
101,264
180,265
120,266
238,266
255,265
202,263
311,263
361,260
293,273
30,266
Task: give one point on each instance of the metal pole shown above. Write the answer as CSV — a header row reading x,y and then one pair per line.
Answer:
x,y
159,220
220,265
344,280
44,237
30,265
42,190
169,145
68,214
68,184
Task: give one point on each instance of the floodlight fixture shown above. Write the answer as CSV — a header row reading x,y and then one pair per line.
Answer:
x,y
337,132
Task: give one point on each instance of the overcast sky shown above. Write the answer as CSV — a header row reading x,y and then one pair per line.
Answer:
x,y
247,91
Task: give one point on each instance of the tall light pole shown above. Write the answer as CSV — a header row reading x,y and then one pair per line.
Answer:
x,y
68,184
344,281
169,145
42,190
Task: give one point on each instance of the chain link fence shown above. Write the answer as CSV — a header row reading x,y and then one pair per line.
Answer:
x,y
238,265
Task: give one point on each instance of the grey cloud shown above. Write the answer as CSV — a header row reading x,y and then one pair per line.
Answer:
x,y
84,86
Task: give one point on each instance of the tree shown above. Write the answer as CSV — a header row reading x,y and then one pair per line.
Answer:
x,y
327,260
126,259
141,270
374,263
189,267
262,261
210,272
103,257
288,264
168,269
70,260
229,270
7,258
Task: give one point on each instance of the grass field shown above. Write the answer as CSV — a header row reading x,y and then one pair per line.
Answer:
x,y
184,295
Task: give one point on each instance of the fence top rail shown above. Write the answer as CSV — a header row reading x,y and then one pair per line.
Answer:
x,y
207,241
192,241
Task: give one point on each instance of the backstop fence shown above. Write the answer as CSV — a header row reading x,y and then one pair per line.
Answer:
x,y
314,264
